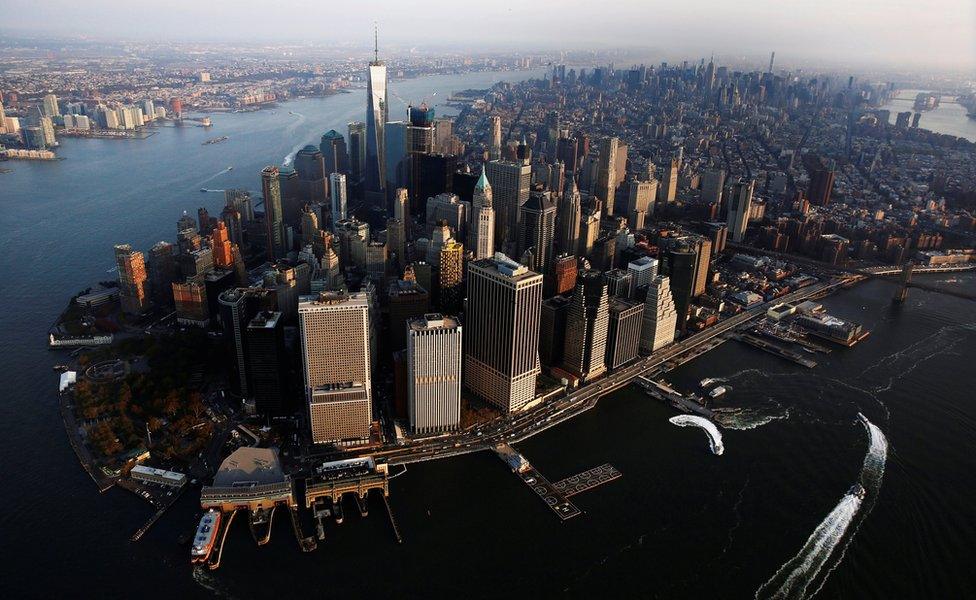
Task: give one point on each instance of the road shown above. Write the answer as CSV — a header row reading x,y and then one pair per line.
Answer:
x,y
523,425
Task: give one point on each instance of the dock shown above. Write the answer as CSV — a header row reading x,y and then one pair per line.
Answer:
x,y
213,563
587,480
776,350
665,393
306,543
261,519
393,523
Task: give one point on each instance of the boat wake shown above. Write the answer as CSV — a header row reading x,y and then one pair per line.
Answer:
x,y
714,435
203,577
795,578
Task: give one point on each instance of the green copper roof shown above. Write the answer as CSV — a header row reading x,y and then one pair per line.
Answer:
x,y
482,181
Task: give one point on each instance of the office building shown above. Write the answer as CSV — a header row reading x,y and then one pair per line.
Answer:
x,y
190,302
821,186
450,209
408,300
495,143
658,328
221,246
450,270
420,143
740,204
623,331
434,351
563,275
357,153
605,187
377,114
537,230
482,234
502,332
267,363
510,182
335,157
309,166
552,330
640,202
133,280
712,184
584,354
667,189
620,283
568,216
273,217
163,270
395,158
335,334
339,195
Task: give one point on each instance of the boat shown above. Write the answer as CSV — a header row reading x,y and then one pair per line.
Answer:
x,y
204,190
720,390
857,490
203,540
338,511
215,140
230,168
708,381
60,368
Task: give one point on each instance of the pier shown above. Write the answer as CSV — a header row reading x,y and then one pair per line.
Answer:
x,y
776,350
306,543
213,563
663,391
393,523
587,480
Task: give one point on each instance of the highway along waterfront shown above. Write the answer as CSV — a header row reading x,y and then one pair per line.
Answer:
x,y
680,521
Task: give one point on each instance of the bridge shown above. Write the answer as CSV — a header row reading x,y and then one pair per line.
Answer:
x,y
883,273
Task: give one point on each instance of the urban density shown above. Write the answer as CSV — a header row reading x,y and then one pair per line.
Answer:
x,y
446,276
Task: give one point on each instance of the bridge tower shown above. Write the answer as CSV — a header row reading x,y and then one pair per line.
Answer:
x,y
906,278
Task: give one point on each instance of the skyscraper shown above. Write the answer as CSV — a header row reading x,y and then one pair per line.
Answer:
x,y
537,229
335,157
585,351
607,174
482,234
510,183
450,270
640,202
133,292
712,184
357,153
271,189
377,114
340,196
335,336
420,143
568,219
740,203
667,190
657,331
623,331
502,322
434,350
821,185
267,362
495,144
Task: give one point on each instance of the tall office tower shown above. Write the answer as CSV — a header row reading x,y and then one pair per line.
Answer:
x,y
703,251
235,224
335,335
240,200
620,283
377,114
223,254
640,202
482,233
376,261
292,197
396,241
163,270
585,351
434,351
310,167
667,190
623,331
607,174
551,135
339,194
501,355
510,183
712,184
407,300
589,231
681,261
445,142
604,251
495,143
3,119
537,230
450,283
357,153
50,106
449,208
821,185
335,157
740,203
396,161
566,153
235,313
420,142
552,330
657,330
644,269
563,275
267,363
273,219
133,291
190,302
353,236
568,220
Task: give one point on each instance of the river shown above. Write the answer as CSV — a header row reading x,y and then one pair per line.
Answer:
x,y
681,521
949,118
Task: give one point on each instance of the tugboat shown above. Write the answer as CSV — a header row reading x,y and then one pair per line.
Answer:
x,y
206,534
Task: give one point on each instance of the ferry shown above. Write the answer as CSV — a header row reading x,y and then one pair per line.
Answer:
x,y
720,390
708,381
203,541
215,140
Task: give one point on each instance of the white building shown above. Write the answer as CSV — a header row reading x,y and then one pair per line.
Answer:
x,y
644,269
434,373
660,318
339,194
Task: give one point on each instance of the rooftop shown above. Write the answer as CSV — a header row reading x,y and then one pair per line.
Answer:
x,y
249,466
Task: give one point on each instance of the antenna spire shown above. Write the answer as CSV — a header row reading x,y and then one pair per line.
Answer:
x,y
376,42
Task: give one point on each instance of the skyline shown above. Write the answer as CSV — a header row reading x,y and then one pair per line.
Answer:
x,y
905,35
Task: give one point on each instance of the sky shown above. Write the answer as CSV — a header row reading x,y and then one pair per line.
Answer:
x,y
933,33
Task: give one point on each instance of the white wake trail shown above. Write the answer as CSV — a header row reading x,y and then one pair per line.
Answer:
x,y
714,435
793,579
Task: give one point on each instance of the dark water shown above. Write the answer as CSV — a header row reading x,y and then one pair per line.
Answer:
x,y
681,522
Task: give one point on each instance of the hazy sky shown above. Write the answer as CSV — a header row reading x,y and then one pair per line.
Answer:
x,y
908,32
